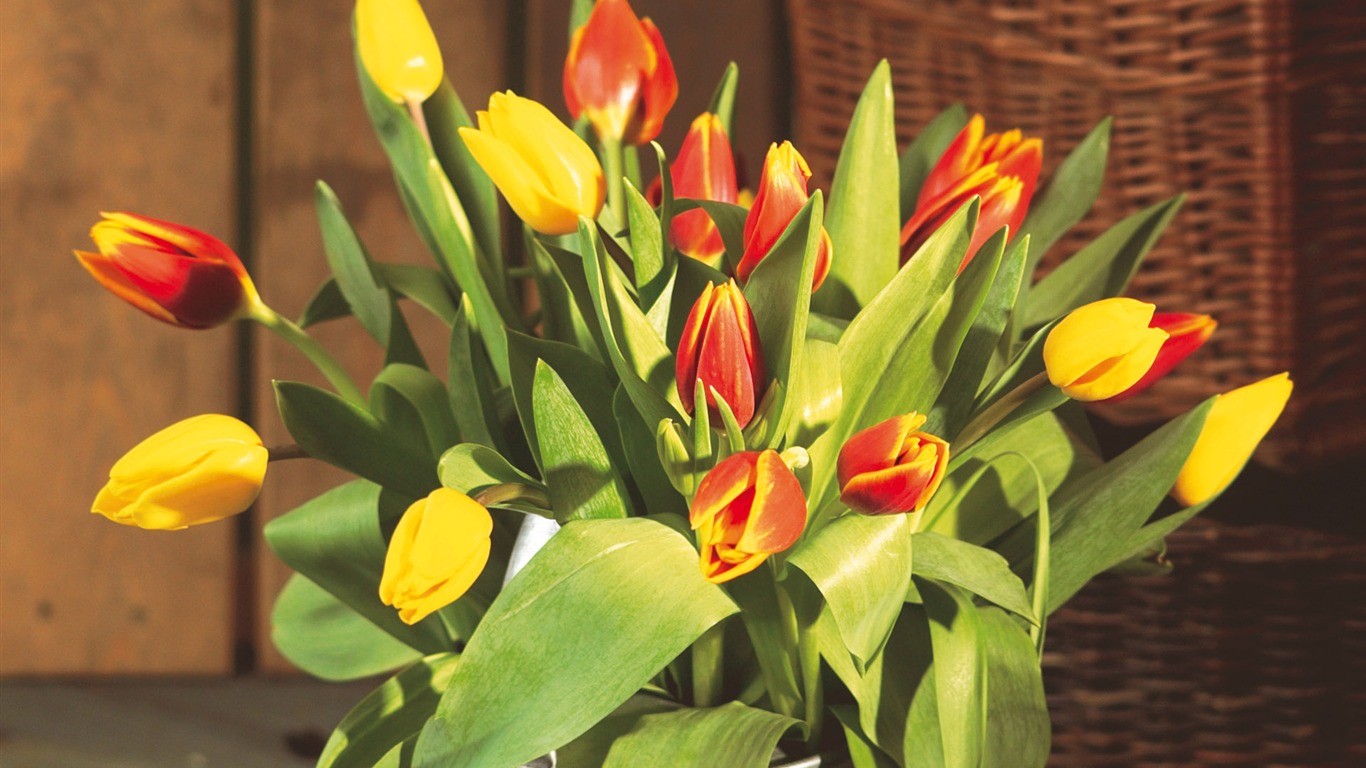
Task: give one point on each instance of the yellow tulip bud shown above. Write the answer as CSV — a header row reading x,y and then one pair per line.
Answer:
x,y
398,49
202,469
1236,423
439,548
1101,349
548,174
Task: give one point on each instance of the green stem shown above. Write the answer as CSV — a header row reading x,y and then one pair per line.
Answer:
x,y
315,352
707,666
616,193
997,411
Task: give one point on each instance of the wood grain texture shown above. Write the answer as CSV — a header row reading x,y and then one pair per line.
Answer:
x,y
125,104
312,125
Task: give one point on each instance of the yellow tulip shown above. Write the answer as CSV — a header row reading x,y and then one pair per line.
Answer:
x,y
202,469
548,174
439,548
398,49
1101,349
1236,423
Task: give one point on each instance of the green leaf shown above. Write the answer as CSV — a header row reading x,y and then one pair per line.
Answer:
x,y
778,292
471,397
652,259
863,753
620,598
657,494
729,219
579,474
864,219
722,102
590,750
1019,733
470,468
335,431
326,638
861,564
446,115
337,542
976,569
817,394
772,635
959,671
428,287
1100,270
587,378
920,155
351,266
424,395
565,300
699,737
1069,195
389,715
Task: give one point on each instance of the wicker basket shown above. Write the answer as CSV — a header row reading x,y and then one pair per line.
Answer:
x,y
1251,653
1255,108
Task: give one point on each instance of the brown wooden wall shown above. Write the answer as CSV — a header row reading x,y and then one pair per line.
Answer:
x,y
146,105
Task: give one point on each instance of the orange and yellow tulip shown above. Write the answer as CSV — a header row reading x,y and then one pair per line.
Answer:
x,y
720,348
1102,349
439,548
782,193
1000,168
1234,426
704,170
1186,333
619,75
891,467
174,273
748,507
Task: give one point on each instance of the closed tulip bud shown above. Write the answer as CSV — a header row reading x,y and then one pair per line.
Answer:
x,y
618,74
439,548
704,170
720,348
176,274
548,174
1001,168
195,471
397,48
891,467
1234,426
748,507
782,193
1102,349
1185,333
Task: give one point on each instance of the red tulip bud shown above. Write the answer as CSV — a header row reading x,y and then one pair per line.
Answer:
x,y
782,193
720,348
704,170
618,74
890,467
749,506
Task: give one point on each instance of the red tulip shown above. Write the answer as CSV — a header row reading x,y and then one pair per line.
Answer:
x,y
174,273
1001,168
704,170
749,506
890,467
618,73
1185,334
782,193
720,348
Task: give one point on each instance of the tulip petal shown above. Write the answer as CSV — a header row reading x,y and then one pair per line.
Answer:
x,y
875,448
1186,333
398,48
659,90
191,242
519,184
778,514
1236,423
1092,334
607,68
116,282
906,487
956,162
725,483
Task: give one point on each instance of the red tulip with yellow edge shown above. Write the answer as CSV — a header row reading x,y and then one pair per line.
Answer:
x,y
618,74
174,273
720,348
704,170
1186,333
439,548
1000,168
781,195
1102,349
196,471
748,507
891,467
1234,426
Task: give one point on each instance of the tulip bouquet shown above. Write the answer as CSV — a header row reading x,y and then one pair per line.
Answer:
x,y
708,479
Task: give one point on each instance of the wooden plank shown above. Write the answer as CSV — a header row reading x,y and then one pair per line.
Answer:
x,y
124,104
311,125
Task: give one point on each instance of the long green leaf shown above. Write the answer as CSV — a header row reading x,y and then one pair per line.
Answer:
x,y
620,598
351,266
1070,193
864,219
722,102
326,638
587,379
426,396
697,738
1018,732
976,569
579,474
960,671
389,715
446,115
471,397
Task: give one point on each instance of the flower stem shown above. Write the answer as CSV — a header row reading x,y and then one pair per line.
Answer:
x,y
315,352
612,168
998,411
419,118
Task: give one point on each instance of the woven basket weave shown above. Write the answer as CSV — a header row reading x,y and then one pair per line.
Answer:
x,y
1255,108
1251,653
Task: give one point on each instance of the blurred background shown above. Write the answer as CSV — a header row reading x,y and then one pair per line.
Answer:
x,y
221,114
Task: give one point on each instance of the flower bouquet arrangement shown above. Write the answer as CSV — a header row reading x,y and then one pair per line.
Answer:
x,y
708,478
